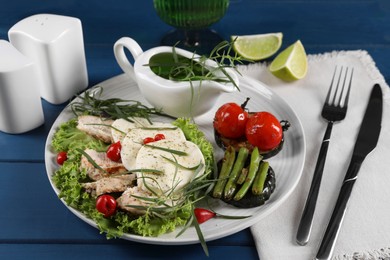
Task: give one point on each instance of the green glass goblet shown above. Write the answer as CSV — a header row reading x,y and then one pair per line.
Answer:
x,y
191,18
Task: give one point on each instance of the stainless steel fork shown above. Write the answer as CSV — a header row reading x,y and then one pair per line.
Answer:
x,y
334,109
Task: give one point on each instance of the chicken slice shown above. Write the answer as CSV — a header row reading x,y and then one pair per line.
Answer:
x,y
118,183
131,198
108,167
96,126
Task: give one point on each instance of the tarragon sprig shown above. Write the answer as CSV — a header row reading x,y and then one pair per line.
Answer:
x,y
92,103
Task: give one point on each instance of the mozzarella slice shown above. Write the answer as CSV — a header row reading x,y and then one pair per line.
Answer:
x,y
121,127
132,142
172,178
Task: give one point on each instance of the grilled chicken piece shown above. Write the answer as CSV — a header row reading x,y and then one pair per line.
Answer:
x,y
127,199
109,167
118,183
96,126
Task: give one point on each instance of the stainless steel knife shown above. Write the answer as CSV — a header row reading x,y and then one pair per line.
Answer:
x,y
366,141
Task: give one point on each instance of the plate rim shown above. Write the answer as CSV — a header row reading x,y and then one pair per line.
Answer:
x,y
179,240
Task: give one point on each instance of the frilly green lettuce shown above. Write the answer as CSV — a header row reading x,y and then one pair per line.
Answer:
x,y
68,138
68,179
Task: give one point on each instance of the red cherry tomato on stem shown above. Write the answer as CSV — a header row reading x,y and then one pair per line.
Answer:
x,y
264,131
159,137
114,151
62,157
148,140
202,215
106,204
230,120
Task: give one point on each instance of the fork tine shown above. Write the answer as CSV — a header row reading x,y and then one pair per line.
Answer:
x,y
342,89
335,94
337,88
349,90
346,98
327,100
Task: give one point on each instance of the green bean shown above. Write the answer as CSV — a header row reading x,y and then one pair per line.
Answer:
x,y
227,164
242,177
258,183
253,167
231,184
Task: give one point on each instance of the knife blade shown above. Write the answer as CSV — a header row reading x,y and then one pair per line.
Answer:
x,y
366,141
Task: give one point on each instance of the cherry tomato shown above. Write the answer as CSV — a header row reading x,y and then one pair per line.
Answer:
x,y
202,215
159,137
106,204
264,131
230,120
114,151
148,140
62,157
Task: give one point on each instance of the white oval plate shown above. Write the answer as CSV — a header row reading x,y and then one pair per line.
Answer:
x,y
288,164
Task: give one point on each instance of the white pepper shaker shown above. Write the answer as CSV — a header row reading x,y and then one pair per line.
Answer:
x,y
55,43
20,100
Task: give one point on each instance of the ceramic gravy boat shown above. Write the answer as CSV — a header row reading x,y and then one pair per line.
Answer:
x,y
175,98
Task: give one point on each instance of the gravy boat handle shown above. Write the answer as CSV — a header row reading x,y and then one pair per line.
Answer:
x,y
120,56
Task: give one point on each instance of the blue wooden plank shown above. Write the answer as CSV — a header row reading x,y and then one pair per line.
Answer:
x,y
34,213
331,25
29,146
101,251
316,22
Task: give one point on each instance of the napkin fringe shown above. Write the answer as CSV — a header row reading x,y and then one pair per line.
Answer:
x,y
362,55
381,254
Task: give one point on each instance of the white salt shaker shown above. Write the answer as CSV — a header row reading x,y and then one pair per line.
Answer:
x,y
20,100
55,43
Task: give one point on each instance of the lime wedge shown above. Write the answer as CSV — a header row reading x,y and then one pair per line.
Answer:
x,y
258,46
291,63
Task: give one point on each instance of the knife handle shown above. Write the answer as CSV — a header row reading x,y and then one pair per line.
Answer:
x,y
329,239
305,225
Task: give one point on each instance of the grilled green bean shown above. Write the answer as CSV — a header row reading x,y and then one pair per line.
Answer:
x,y
227,164
242,177
231,184
253,167
258,183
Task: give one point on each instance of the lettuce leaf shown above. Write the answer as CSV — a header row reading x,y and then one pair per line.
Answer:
x,y
68,138
150,225
68,179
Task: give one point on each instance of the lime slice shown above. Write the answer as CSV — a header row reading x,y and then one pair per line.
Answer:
x,y
291,63
258,46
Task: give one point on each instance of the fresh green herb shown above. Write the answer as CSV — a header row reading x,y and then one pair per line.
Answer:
x,y
110,126
147,171
177,152
179,165
158,128
91,103
163,205
175,67
90,160
200,234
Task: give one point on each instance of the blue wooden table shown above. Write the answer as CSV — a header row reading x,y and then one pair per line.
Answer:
x,y
34,224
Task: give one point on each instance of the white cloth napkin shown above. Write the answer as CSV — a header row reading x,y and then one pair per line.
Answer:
x,y
365,233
